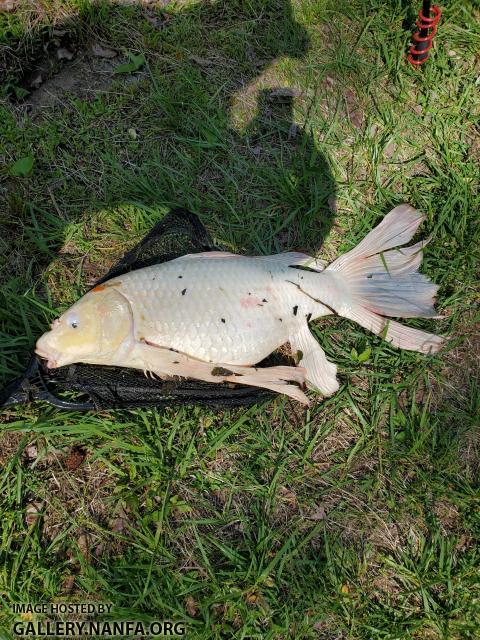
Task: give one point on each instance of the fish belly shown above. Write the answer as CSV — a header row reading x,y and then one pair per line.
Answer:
x,y
233,310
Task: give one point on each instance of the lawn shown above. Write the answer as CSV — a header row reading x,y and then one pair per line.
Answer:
x,y
283,124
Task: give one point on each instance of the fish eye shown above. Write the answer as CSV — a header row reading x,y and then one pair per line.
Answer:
x,y
72,321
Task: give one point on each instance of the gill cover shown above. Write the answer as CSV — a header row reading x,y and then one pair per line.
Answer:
x,y
92,329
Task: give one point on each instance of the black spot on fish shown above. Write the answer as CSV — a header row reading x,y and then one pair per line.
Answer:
x,y
370,275
264,300
249,293
220,371
184,292
281,319
309,315
295,309
259,305
180,276
176,362
302,267
223,320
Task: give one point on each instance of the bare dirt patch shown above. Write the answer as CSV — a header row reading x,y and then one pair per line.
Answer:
x,y
9,443
83,76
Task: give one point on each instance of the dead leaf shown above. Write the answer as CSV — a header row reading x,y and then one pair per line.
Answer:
x,y
36,79
31,452
283,237
90,270
64,54
74,459
102,52
83,545
292,132
284,93
332,203
202,62
68,584
252,57
287,495
250,53
318,514
26,616
119,525
32,512
191,606
8,5
205,423
158,21
319,625
237,620
357,117
350,99
68,248
263,604
354,112
389,150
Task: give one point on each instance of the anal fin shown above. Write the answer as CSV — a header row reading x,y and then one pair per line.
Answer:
x,y
321,373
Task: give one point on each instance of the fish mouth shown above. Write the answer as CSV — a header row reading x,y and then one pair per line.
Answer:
x,y
42,349
52,363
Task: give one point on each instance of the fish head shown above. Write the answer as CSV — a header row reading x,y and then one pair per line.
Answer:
x,y
92,330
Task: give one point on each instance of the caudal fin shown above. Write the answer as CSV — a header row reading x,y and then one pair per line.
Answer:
x,y
378,279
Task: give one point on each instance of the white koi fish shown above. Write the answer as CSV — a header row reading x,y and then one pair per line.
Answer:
x,y
213,316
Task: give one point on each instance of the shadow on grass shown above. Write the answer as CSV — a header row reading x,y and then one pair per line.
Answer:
x,y
262,188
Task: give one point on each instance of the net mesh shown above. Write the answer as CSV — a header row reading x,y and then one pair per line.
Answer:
x,y
100,387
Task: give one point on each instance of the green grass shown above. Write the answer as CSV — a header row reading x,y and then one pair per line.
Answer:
x,y
358,518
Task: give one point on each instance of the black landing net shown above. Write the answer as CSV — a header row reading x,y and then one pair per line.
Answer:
x,y
85,386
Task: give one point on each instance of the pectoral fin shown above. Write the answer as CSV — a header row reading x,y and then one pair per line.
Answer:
x,y
321,374
166,363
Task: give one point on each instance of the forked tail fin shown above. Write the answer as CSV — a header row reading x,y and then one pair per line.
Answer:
x,y
378,279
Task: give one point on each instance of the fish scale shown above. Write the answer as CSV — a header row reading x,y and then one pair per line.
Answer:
x,y
231,309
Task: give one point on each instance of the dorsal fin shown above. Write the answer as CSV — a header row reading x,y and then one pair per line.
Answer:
x,y
295,259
